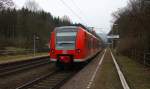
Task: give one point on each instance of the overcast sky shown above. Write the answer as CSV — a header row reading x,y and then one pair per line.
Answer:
x,y
95,13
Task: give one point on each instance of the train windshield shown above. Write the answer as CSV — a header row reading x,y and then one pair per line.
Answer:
x,y
65,40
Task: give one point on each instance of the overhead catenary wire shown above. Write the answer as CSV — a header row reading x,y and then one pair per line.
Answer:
x,y
77,7
63,2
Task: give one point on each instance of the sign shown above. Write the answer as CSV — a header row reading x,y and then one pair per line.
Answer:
x,y
113,36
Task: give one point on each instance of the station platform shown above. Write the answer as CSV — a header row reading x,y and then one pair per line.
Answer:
x,y
100,73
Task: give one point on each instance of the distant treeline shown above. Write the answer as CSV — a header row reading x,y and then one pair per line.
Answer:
x,y
18,27
132,23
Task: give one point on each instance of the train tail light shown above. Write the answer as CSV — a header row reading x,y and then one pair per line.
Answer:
x,y
78,50
52,51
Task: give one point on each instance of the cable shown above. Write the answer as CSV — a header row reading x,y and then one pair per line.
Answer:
x,y
77,6
72,10
81,12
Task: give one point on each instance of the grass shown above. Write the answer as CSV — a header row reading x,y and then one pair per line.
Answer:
x,y
19,57
107,76
137,75
14,48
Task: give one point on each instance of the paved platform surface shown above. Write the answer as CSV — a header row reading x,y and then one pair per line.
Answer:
x,y
100,73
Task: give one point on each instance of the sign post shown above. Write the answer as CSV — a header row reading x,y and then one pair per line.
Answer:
x,y
113,37
35,37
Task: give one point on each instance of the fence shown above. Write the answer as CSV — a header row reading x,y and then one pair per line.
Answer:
x,y
146,60
143,57
16,52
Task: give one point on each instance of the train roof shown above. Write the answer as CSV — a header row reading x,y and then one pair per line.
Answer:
x,y
66,28
63,27
74,28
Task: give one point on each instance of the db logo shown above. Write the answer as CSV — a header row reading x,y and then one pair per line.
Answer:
x,y
64,51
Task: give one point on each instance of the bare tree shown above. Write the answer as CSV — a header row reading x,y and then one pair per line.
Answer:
x,y
66,18
32,5
6,4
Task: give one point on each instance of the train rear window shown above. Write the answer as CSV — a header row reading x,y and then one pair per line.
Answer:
x,y
65,40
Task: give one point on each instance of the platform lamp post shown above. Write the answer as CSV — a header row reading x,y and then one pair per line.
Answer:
x,y
35,37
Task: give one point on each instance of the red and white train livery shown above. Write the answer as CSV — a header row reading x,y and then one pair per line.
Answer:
x,y
71,44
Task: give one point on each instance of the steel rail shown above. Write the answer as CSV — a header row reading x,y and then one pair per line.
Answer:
x,y
49,81
9,69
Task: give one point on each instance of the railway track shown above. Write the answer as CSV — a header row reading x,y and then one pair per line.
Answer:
x,y
49,81
10,68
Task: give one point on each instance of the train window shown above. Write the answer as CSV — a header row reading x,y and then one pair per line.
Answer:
x,y
65,40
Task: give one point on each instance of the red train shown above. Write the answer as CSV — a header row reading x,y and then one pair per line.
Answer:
x,y
72,44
